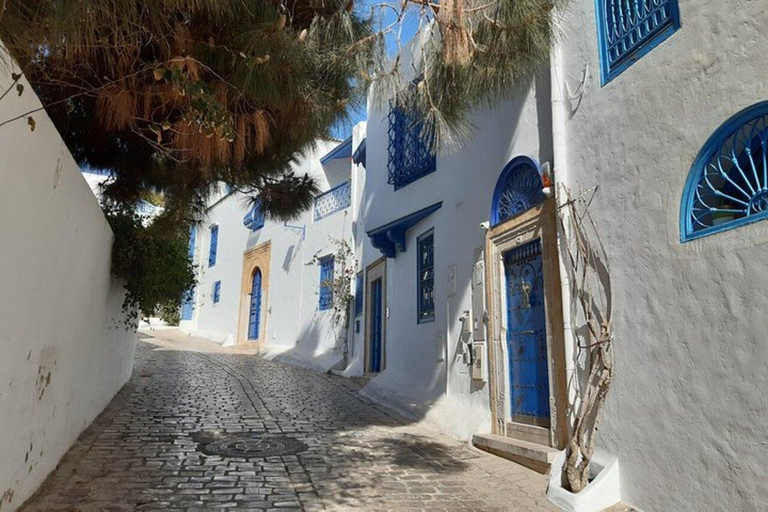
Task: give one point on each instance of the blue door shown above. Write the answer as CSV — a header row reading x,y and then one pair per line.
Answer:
x,y
254,318
376,325
527,335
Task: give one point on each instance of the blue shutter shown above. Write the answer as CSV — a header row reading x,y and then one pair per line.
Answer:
x,y
214,244
426,279
326,283
216,291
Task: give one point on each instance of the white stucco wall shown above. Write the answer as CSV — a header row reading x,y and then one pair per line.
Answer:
x,y
416,378
295,328
65,351
686,414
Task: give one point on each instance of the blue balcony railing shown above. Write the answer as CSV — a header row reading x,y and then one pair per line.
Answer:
x,y
334,200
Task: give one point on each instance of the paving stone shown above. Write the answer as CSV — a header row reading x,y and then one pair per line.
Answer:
x,y
142,453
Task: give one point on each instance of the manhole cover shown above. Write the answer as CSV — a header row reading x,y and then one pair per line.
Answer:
x,y
253,446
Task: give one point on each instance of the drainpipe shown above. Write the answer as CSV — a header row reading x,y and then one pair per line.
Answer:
x,y
559,150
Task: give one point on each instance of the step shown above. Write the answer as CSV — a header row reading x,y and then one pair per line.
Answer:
x,y
535,456
530,433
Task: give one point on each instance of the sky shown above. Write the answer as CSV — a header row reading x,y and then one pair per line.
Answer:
x,y
409,27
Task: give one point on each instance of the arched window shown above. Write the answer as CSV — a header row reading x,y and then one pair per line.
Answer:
x,y
518,189
728,183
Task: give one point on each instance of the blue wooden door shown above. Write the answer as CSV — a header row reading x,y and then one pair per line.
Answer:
x,y
254,318
527,335
376,324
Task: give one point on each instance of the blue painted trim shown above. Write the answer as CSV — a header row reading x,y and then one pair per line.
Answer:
x,y
213,245
606,75
424,315
390,238
509,169
343,150
709,149
216,292
358,157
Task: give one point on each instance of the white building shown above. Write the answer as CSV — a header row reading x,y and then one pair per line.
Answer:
x,y
661,106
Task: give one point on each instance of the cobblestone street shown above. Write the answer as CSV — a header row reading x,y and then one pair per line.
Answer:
x,y
144,451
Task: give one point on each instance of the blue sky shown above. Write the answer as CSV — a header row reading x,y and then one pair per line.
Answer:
x,y
409,27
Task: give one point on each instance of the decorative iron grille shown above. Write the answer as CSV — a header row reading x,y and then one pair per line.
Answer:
x,y
630,28
334,200
410,151
728,185
518,189
326,283
216,292
426,285
359,294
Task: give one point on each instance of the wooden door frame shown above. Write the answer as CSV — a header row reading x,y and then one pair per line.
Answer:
x,y
253,258
537,222
373,267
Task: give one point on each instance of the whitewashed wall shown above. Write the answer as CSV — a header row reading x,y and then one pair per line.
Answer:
x,y
425,374
65,351
686,415
295,328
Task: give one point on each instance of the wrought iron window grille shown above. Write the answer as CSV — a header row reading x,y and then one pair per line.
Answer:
x,y
426,284
334,200
410,150
216,292
326,283
359,295
628,29
727,186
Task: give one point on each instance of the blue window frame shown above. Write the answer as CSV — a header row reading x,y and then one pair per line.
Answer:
x,y
254,313
334,200
628,29
410,150
426,278
518,189
188,299
326,283
214,245
727,186
216,292
254,219
359,294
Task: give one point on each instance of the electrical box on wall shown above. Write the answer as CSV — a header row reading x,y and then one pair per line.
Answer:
x,y
478,361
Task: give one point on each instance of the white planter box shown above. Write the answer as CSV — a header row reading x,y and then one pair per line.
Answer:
x,y
602,492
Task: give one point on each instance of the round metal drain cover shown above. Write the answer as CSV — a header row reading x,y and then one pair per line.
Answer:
x,y
255,446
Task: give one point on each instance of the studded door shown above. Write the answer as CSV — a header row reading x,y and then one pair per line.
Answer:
x,y
527,335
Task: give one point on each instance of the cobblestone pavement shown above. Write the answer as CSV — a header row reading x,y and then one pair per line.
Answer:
x,y
142,452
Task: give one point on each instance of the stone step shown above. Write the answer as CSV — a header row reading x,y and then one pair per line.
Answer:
x,y
535,456
530,433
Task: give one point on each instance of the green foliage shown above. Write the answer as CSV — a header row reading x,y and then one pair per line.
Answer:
x,y
169,312
153,263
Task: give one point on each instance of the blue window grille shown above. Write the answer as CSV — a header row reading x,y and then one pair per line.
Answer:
x,y
216,292
214,245
410,151
628,29
426,284
255,219
727,186
519,188
359,294
334,200
326,283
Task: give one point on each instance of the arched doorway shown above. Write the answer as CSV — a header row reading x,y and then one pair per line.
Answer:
x,y
526,356
254,314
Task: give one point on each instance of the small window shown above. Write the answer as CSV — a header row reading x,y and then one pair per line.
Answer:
x,y
216,291
627,30
410,150
214,244
359,294
326,283
426,284
728,184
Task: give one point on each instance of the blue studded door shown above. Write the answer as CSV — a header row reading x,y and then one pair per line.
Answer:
x,y
376,325
527,335
254,317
